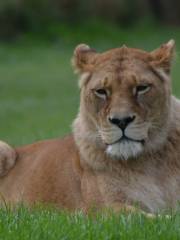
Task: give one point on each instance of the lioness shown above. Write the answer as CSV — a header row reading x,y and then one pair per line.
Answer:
x,y
125,146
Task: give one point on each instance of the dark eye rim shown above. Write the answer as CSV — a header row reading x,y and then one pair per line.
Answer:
x,y
101,91
143,88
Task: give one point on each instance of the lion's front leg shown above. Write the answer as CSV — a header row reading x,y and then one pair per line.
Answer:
x,y
119,207
7,158
116,208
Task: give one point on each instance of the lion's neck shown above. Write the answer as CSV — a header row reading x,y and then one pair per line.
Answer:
x,y
92,151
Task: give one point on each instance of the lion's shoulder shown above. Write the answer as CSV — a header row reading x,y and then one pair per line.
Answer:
x,y
53,151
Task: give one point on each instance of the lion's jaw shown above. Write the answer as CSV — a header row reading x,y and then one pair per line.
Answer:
x,y
131,148
124,149
120,70
125,144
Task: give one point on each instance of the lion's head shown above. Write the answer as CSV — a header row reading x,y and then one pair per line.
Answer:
x,y
125,98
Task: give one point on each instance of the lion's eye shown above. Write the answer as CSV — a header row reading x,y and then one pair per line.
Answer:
x,y
141,89
102,93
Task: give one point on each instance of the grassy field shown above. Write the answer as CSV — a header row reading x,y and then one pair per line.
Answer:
x,y
44,224
39,99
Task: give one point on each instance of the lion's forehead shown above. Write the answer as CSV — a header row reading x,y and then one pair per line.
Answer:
x,y
117,62
127,71
124,53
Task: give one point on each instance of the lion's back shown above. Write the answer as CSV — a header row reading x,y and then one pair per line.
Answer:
x,y
46,171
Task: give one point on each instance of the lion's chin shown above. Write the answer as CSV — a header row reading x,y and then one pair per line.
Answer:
x,y
124,150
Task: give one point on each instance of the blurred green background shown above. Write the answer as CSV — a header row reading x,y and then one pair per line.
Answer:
x,y
38,91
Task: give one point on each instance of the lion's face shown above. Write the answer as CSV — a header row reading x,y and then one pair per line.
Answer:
x,y
125,98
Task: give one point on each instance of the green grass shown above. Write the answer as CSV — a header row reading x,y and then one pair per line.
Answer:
x,y
39,99
39,223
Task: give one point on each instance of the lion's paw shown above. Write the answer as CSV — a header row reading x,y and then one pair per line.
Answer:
x,y
7,158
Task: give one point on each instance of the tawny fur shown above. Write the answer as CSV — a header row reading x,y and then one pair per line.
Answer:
x,y
78,172
7,158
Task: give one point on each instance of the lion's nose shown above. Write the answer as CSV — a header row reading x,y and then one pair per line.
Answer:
x,y
122,122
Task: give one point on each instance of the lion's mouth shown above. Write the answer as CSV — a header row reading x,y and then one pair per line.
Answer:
x,y
128,139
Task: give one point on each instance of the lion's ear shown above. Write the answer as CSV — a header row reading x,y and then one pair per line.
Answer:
x,y
162,57
84,58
